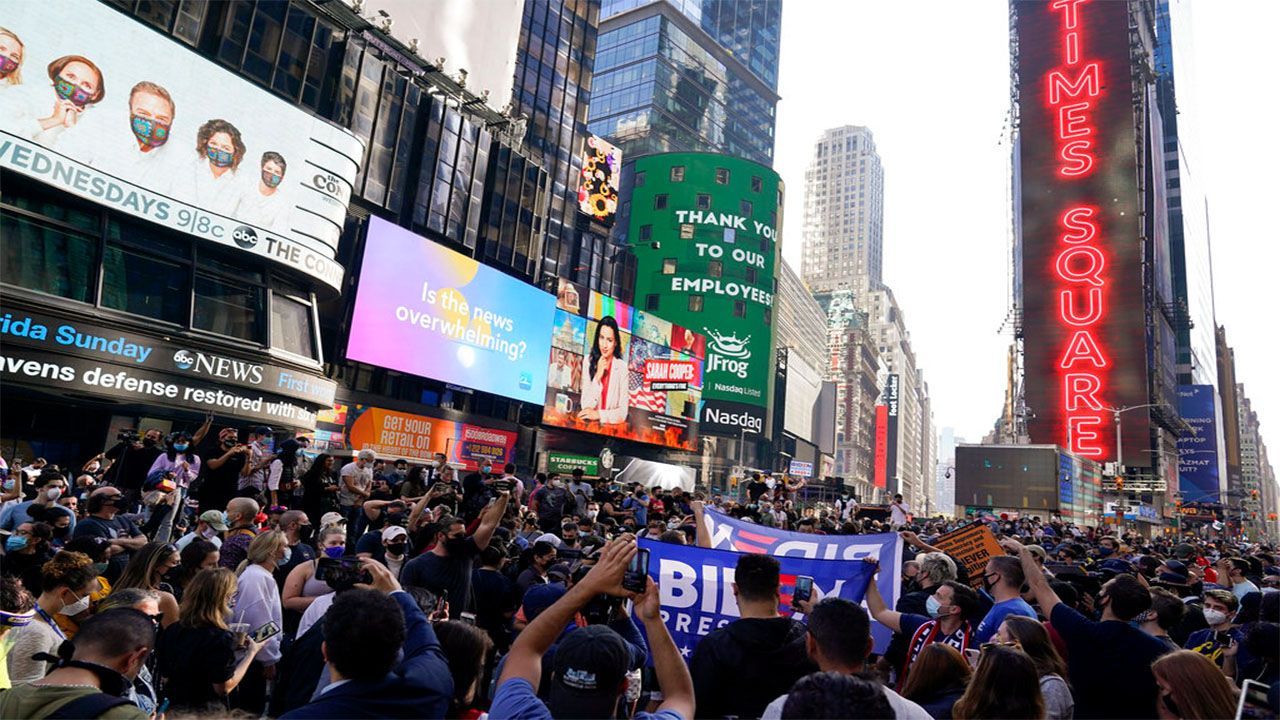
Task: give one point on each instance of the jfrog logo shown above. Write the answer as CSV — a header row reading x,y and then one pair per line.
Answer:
x,y
728,354
184,360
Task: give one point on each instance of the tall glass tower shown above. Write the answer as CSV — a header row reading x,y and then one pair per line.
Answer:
x,y
688,75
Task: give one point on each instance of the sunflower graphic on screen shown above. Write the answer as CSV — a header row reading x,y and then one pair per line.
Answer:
x,y
598,191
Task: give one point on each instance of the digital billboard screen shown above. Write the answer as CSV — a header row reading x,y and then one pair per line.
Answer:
x,y
1198,478
105,108
619,371
1011,477
598,186
1082,275
426,310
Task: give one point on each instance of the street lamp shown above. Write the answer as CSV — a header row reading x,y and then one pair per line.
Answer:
x,y
1117,411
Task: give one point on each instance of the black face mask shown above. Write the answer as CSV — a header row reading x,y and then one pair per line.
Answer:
x,y
456,545
396,549
304,533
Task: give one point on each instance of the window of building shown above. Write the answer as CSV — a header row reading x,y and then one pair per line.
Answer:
x,y
715,268
764,245
651,302
744,208
47,259
639,181
646,232
722,176
695,303
686,231
704,201
228,307
677,173
768,316
292,322
660,202
756,184
142,283
739,309
668,266
751,275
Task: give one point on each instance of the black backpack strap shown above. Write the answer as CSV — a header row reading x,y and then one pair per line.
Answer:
x,y
92,705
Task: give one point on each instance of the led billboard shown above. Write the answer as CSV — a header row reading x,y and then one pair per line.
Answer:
x,y
703,229
598,187
1198,450
1084,317
426,310
104,108
618,371
393,435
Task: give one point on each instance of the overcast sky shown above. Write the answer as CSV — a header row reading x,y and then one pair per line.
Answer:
x,y
931,80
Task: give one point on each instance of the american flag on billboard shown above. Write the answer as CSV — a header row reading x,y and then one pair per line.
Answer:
x,y
642,396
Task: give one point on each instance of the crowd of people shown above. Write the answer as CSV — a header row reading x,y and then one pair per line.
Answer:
x,y
240,574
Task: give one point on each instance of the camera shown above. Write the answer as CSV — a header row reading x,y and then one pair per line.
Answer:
x,y
128,435
343,572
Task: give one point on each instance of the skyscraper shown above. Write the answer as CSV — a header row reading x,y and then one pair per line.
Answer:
x,y
688,75
844,214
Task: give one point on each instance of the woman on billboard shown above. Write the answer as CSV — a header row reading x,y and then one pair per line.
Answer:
x,y
219,150
77,85
604,389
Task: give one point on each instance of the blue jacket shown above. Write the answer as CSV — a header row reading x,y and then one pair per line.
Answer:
x,y
420,687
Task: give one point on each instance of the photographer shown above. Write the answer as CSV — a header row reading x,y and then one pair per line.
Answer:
x,y
448,565
591,663
131,459
221,473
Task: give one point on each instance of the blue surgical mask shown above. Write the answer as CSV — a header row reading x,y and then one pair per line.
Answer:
x,y
15,543
181,447
335,552
220,158
933,607
1105,551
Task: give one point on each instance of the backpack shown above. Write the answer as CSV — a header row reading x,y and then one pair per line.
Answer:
x,y
88,706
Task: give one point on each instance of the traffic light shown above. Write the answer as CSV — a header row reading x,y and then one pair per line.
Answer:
x,y
1119,484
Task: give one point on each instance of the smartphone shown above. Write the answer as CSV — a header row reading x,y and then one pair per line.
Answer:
x,y
1253,701
972,655
803,591
268,630
346,570
441,600
468,618
636,578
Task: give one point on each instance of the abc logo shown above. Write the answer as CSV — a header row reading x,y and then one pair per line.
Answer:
x,y
245,236
183,359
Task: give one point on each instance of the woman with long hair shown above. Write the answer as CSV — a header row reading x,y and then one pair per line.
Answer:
x,y
219,150
937,680
68,579
179,463
319,489
467,648
1005,685
604,387
302,588
1033,639
1191,687
258,603
199,554
147,569
197,654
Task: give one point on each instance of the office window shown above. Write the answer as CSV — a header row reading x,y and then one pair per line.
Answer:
x,y
646,232
668,266
722,176
695,303
660,202
768,316
756,184
744,208
686,232
751,275
639,181
739,309
292,329
677,173
143,284
37,257
651,302
715,268
704,201
229,308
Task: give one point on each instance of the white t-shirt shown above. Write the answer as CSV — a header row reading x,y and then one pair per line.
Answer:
x,y
360,477
903,709
314,612
898,513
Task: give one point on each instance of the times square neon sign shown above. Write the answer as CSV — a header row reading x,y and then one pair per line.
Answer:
x,y
1072,91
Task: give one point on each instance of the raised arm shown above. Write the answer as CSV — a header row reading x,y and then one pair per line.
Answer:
x,y
887,617
673,675
489,523
914,541
1046,598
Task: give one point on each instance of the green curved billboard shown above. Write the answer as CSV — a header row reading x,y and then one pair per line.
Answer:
x,y
703,228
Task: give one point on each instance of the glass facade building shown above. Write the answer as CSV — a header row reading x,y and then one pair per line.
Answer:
x,y
688,75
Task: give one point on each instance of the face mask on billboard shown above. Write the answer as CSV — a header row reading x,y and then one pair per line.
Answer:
x,y
220,158
7,66
271,179
68,90
151,133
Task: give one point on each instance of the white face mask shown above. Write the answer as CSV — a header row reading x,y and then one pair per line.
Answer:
x,y
53,493
1214,617
288,553
76,607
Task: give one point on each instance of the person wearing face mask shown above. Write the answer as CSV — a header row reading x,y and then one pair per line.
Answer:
x,y
448,565
1003,578
263,203
50,486
554,502
109,653
393,551
948,609
257,603
77,86
213,179
1220,608
68,580
298,534
224,461
180,464
131,460
104,521
209,525
26,551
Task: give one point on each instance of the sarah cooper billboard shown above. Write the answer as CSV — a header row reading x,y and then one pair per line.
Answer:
x,y
426,310
619,371
100,106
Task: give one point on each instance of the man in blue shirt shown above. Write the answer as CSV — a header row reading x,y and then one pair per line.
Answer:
x,y
591,662
49,487
1003,578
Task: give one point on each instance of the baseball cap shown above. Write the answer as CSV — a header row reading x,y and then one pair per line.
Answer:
x,y
548,537
1038,552
391,533
558,572
332,518
540,597
213,518
589,667
1184,551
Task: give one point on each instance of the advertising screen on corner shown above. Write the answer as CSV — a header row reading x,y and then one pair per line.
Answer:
x,y
619,371
102,107
426,310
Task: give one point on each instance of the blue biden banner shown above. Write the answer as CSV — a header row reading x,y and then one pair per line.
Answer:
x,y
696,586
727,533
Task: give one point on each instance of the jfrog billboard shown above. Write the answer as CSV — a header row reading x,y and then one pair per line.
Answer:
x,y
703,228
